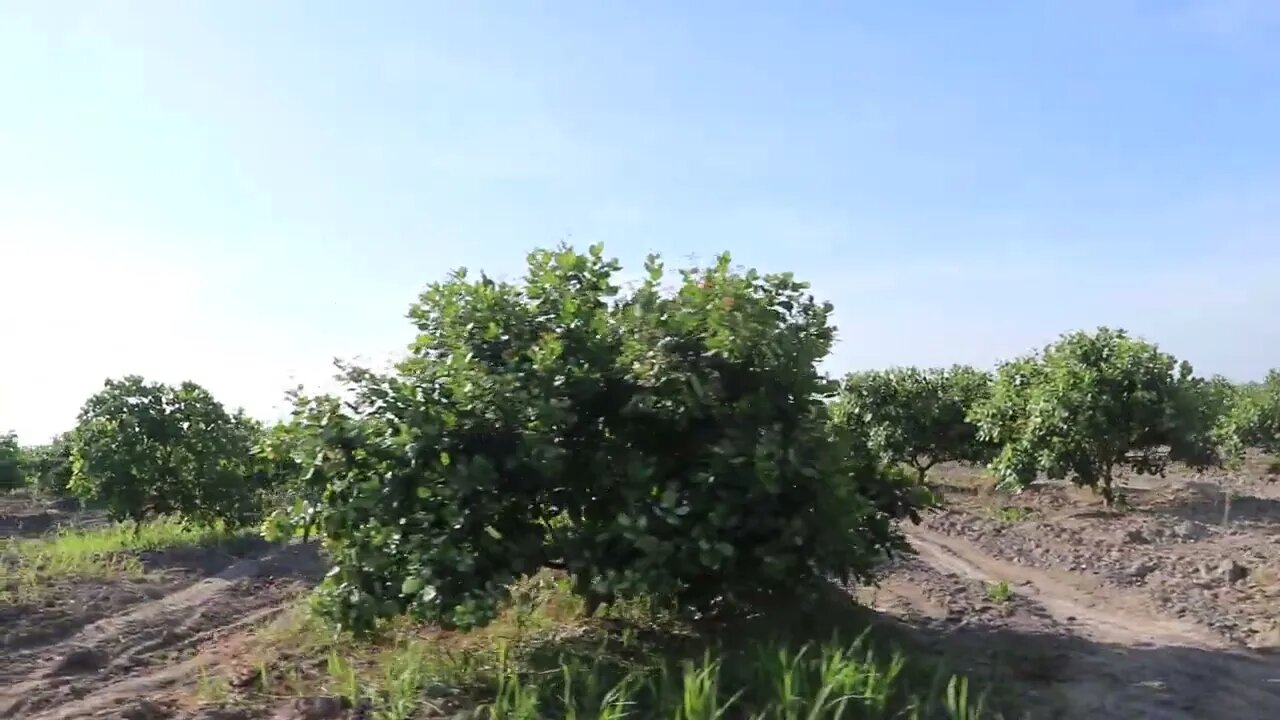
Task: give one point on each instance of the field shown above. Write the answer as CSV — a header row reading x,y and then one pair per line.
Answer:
x,y
1055,607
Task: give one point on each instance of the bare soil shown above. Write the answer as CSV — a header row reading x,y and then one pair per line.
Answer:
x,y
1160,611
129,648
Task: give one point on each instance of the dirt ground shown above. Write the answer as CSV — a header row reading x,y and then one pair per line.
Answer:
x,y
1161,611
131,648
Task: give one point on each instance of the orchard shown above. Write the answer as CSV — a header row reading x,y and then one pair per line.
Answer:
x,y
674,440
917,417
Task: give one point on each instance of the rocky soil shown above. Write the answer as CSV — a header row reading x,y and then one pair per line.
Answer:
x,y
1170,544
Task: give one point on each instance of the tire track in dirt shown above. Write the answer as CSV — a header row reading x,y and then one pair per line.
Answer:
x,y
139,653
1120,659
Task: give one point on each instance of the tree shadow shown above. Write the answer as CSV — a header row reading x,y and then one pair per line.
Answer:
x,y
1023,673
27,525
1205,503
300,561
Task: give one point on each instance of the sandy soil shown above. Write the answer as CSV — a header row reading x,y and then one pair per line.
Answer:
x,y
1163,611
128,648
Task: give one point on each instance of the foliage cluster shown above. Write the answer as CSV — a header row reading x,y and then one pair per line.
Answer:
x,y
917,417
48,467
149,449
671,443
1092,403
12,465
1253,418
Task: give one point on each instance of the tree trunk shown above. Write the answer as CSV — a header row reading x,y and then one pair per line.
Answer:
x,y
1108,494
1226,503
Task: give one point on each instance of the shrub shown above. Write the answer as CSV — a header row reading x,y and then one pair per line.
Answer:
x,y
668,443
1254,417
149,449
48,467
917,417
1092,403
12,467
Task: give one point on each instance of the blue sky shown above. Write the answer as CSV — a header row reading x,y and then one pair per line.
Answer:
x,y
235,192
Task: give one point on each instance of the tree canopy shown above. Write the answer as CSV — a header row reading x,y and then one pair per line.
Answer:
x,y
1091,403
147,449
917,417
670,442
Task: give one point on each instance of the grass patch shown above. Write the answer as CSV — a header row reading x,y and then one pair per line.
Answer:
x,y
28,566
543,658
999,592
1011,513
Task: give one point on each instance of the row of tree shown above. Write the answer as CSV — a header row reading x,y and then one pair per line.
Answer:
x,y
43,468
1086,407
672,439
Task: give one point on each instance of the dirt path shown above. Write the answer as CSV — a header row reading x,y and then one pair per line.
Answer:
x,y
140,653
1090,651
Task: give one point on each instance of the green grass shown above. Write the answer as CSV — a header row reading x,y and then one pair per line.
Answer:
x,y
999,592
1011,513
544,659
29,566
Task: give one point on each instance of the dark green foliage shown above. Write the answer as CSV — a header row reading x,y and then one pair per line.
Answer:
x,y
1095,402
148,449
12,464
48,467
673,444
917,417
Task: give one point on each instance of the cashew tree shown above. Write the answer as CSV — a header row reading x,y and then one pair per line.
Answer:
x,y
668,441
147,449
1092,404
916,417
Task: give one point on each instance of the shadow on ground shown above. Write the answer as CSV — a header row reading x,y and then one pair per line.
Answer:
x,y
1023,674
294,561
1204,503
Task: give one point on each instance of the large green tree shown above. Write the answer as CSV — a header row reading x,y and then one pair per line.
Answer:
x,y
669,442
1093,403
147,449
917,417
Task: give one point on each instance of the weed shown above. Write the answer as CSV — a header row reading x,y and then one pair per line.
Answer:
x,y
211,688
542,660
999,592
28,566
1011,513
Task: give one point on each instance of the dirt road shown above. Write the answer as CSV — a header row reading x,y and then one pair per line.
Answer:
x,y
1162,611
1092,652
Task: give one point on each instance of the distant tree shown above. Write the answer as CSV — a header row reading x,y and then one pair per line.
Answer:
x,y
669,443
916,417
286,455
1092,403
1254,417
48,467
12,465
147,449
